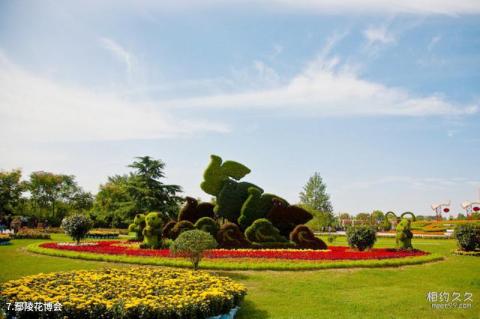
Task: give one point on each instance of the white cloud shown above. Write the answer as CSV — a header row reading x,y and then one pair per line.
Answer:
x,y
433,42
328,88
378,35
33,108
418,183
120,53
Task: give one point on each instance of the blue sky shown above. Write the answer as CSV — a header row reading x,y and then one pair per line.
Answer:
x,y
381,98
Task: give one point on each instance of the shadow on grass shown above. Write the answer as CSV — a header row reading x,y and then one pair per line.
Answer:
x,y
231,274
249,310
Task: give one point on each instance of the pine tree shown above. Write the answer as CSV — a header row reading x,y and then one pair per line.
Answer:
x,y
314,194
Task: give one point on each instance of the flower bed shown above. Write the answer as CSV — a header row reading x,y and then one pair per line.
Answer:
x,y
103,234
30,233
127,293
333,253
4,239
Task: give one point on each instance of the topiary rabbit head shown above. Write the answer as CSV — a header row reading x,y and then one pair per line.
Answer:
x,y
139,218
404,225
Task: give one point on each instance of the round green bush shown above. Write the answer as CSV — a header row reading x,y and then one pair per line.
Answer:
x,y
77,226
468,237
361,237
192,244
208,225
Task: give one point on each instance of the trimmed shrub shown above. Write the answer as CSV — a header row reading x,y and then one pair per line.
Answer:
x,y
192,210
305,238
361,237
167,229
404,234
217,173
286,217
385,225
231,198
180,227
138,226
152,233
468,237
208,225
230,236
192,244
262,231
77,226
256,206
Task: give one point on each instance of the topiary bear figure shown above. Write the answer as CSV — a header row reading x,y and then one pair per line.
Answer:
x,y
192,210
152,233
256,206
208,225
404,235
138,226
303,237
263,231
217,173
167,229
286,217
230,236
180,227
231,198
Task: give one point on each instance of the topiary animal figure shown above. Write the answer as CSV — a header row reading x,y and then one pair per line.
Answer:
x,y
180,227
192,210
404,235
217,173
230,236
137,226
256,206
152,233
286,217
230,199
189,210
208,225
262,231
167,229
305,238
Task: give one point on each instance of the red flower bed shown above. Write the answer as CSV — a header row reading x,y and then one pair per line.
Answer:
x,y
333,253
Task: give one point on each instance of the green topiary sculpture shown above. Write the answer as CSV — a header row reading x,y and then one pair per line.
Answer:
x,y
208,225
256,206
404,235
231,198
262,231
230,236
192,210
138,226
180,227
167,229
152,233
303,237
217,173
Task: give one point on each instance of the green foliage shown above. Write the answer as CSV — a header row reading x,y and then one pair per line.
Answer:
x,y
152,233
408,213
137,226
208,225
192,210
11,189
193,243
231,198
230,236
77,226
404,234
385,225
377,217
314,194
286,217
217,174
361,237
263,231
321,221
28,233
256,206
468,237
167,229
180,227
303,237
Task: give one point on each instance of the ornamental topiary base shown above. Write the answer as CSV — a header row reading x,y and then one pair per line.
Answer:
x,y
124,293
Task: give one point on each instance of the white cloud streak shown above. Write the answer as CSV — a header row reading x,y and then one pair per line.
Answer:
x,y
328,88
33,108
379,35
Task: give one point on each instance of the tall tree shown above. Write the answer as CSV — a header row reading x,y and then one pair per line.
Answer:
x,y
11,189
315,196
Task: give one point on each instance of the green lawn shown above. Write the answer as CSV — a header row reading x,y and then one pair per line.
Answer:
x,y
347,293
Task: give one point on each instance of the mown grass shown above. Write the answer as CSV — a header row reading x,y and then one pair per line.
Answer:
x,y
333,293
